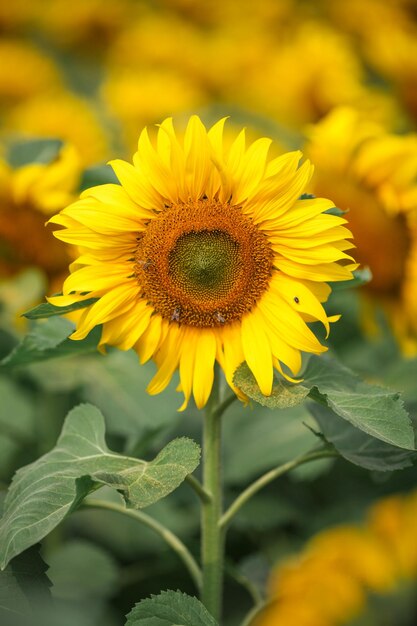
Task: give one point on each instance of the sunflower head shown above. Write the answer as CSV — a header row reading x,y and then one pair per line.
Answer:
x,y
28,195
204,253
372,174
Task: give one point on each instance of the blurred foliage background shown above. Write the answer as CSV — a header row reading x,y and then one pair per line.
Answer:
x,y
336,78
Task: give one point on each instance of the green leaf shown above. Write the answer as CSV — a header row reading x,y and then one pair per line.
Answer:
x,y
46,309
284,394
358,447
377,411
23,585
170,608
43,493
49,340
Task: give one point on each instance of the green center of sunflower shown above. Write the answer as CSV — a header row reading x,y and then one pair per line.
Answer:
x,y
202,263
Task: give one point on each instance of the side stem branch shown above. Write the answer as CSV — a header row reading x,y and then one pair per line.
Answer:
x,y
167,535
264,480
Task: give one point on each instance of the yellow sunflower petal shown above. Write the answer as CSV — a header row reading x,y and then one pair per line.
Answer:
x,y
115,302
167,359
257,351
205,355
150,339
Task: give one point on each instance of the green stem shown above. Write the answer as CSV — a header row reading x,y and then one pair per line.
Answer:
x,y
264,480
167,535
198,488
212,540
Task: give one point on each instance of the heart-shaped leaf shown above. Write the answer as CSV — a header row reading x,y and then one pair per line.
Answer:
x,y
43,493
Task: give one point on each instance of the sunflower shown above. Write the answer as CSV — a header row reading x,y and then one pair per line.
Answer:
x,y
30,194
372,174
205,254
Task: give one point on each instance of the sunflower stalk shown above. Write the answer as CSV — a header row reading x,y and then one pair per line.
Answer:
x,y
212,540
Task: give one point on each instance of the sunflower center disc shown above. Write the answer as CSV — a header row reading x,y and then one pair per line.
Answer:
x,y
205,264
202,263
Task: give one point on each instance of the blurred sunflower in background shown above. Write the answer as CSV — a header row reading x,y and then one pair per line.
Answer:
x,y
29,194
343,572
372,174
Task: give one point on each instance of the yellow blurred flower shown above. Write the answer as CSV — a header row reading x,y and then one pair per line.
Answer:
x,y
24,72
329,582
141,97
15,16
291,615
397,61
357,552
88,24
213,13
205,253
373,175
28,195
63,116
393,522
328,590
311,69
158,41
386,34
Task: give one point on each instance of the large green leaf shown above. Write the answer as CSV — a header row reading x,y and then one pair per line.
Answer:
x,y
357,446
170,608
43,493
377,411
48,340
